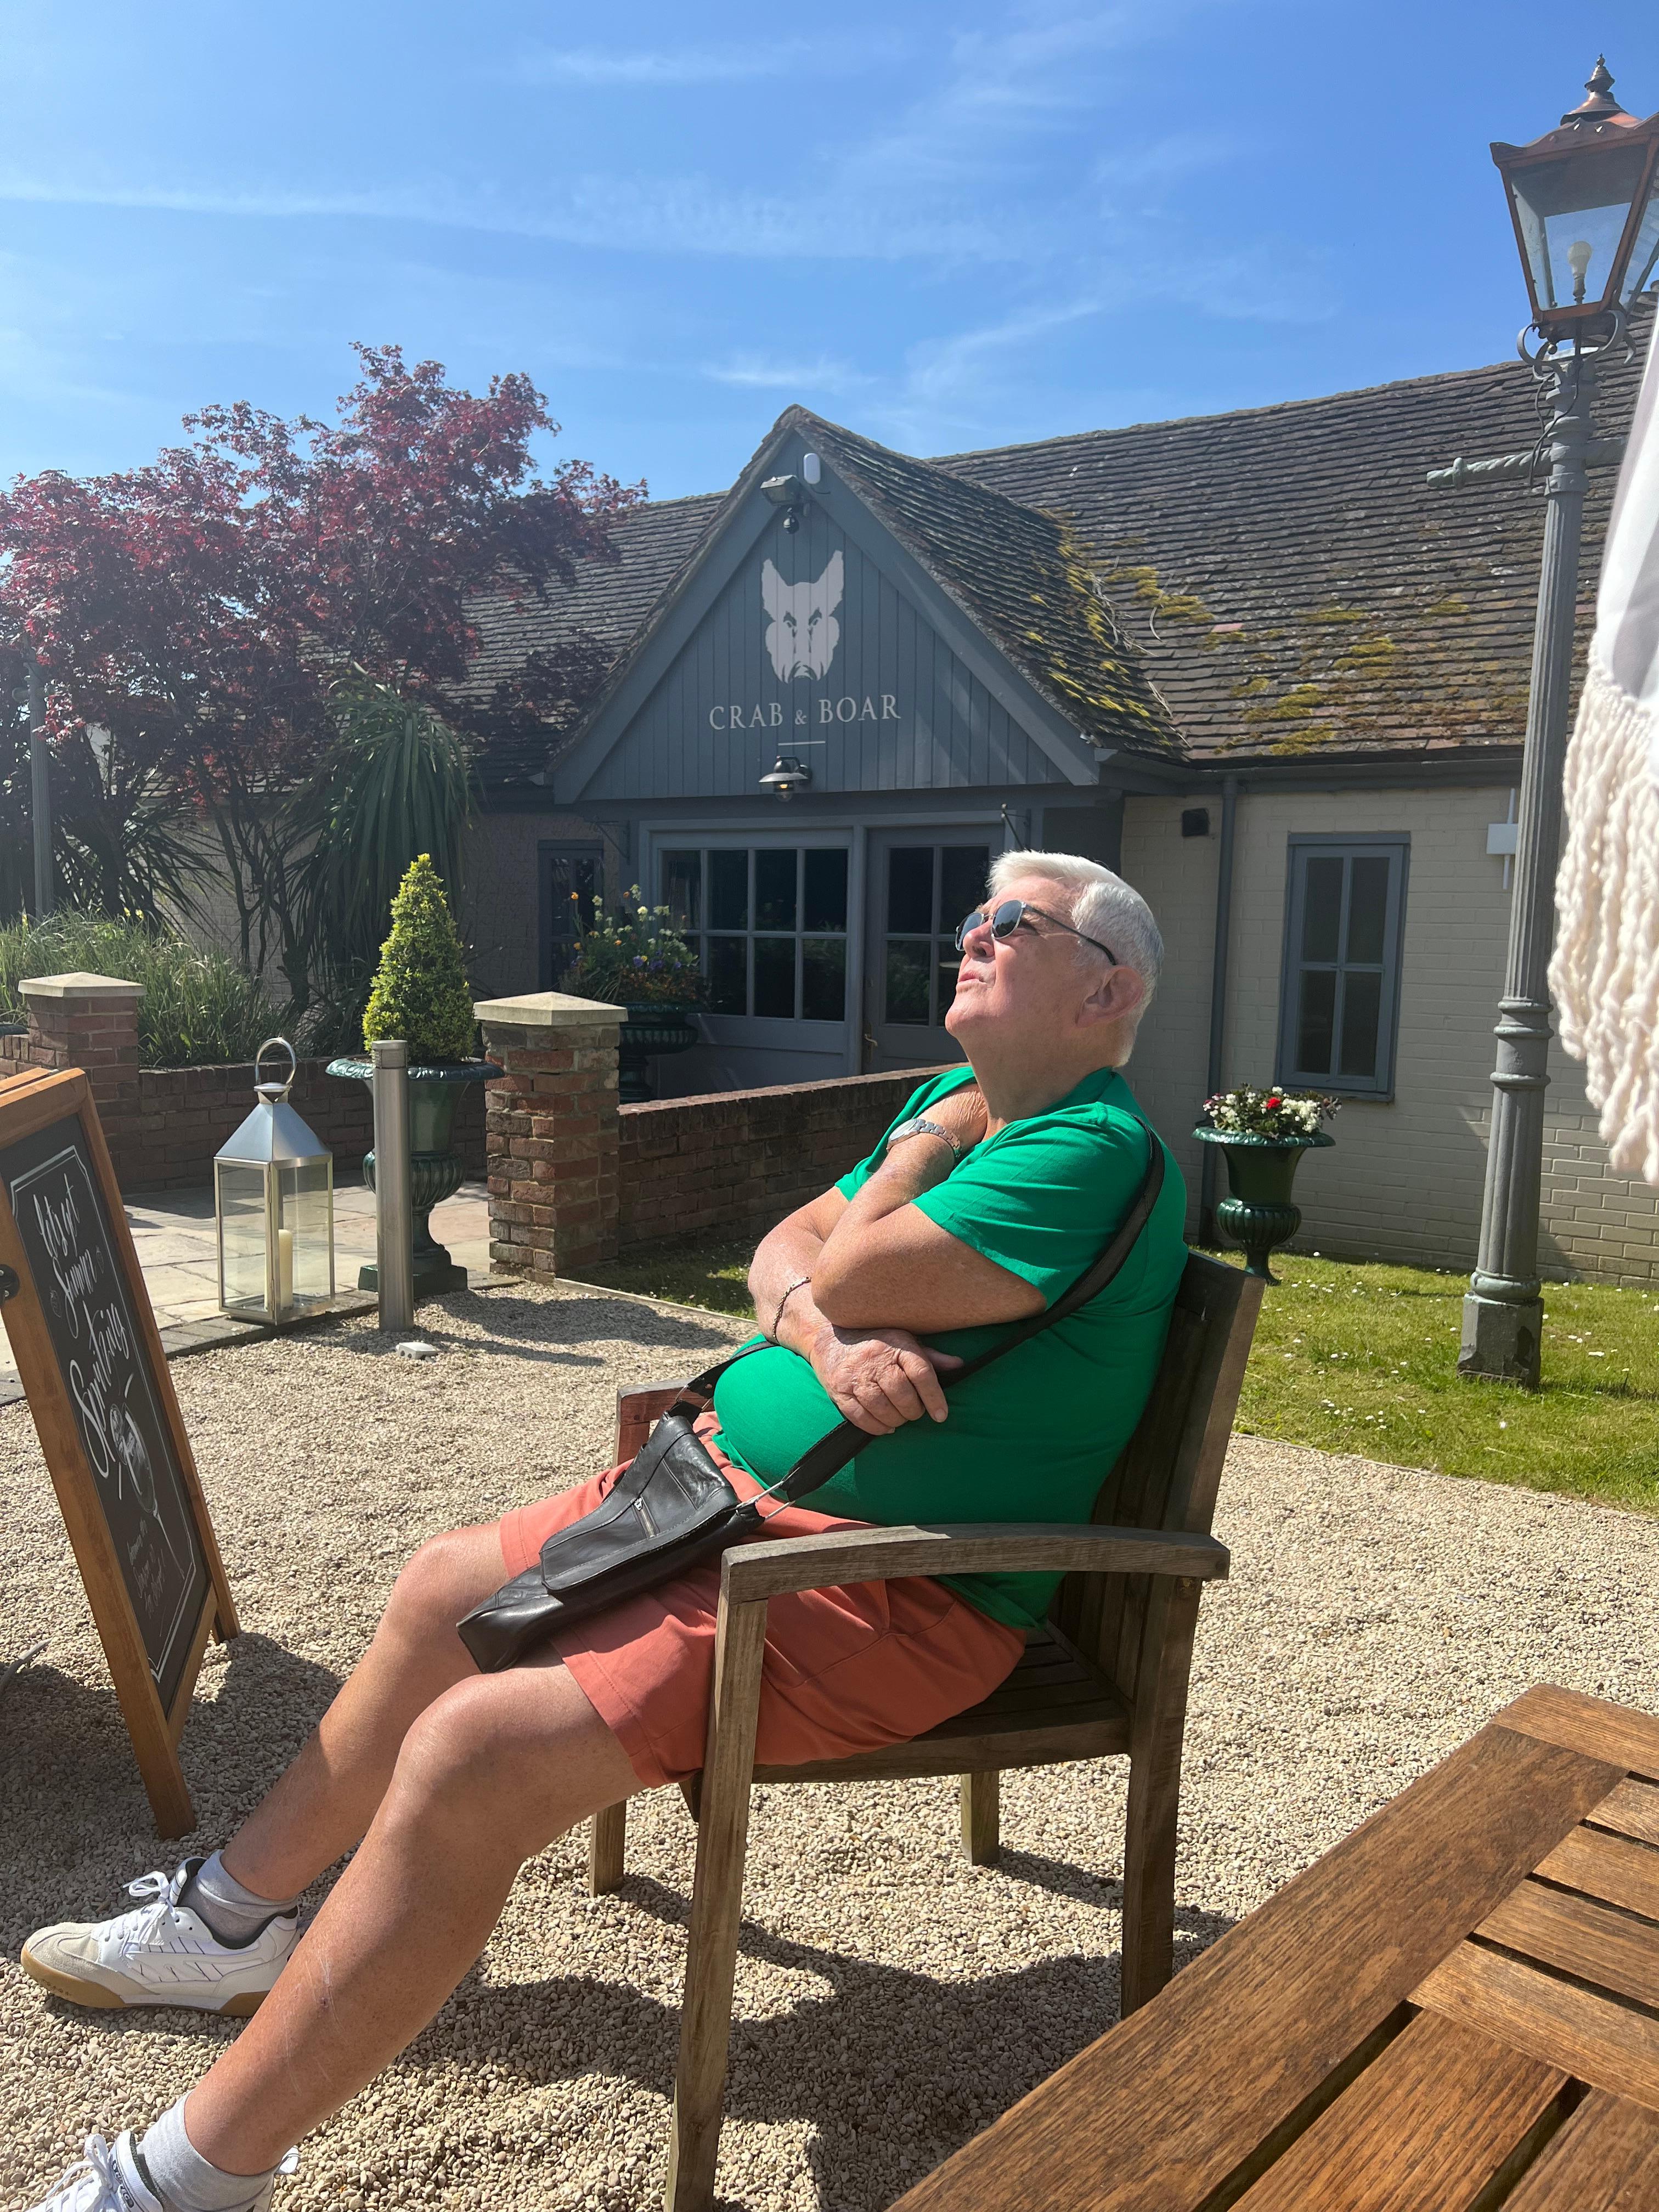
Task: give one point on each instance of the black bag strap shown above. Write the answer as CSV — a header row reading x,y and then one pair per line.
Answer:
x,y
820,1461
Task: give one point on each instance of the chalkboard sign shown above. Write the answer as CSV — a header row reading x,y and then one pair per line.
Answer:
x,y
91,1362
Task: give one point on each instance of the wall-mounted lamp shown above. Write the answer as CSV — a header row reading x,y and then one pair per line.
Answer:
x,y
786,773
790,494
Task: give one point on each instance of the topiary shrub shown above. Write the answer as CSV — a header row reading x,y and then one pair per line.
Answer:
x,y
421,992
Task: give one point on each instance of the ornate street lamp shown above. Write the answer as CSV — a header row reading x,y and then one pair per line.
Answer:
x,y
1581,199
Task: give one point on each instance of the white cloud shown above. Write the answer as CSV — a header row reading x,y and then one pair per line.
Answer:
x,y
646,67
758,373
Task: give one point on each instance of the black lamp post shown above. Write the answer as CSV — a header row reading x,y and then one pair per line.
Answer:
x,y
1588,229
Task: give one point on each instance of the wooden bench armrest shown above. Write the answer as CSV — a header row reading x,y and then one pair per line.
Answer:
x,y
755,1570
663,1393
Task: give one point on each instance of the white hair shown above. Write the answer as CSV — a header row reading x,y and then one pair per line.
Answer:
x,y
1095,900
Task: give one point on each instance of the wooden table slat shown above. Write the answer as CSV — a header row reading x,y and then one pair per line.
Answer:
x,y
1626,1739
1594,2038
1179,2096
1613,1867
1632,1809
1582,1937
1605,2159
1427,2124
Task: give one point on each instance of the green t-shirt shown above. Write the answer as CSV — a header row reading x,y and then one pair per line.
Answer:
x,y
1034,1437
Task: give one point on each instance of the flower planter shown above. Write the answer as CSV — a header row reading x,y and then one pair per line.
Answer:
x,y
646,1033
436,1172
1260,1212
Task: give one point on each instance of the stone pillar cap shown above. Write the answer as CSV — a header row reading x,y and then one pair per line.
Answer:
x,y
79,985
544,1009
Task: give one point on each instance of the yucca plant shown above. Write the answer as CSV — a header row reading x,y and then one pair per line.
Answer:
x,y
396,784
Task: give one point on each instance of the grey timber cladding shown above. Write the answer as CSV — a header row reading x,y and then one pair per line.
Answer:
x,y
810,649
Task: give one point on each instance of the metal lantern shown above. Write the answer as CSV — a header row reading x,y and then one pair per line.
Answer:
x,y
273,1202
1581,200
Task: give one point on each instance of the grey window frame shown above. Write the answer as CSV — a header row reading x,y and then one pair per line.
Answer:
x,y
753,842
548,851
1301,847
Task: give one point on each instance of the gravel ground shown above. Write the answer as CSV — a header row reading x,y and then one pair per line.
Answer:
x,y
891,1999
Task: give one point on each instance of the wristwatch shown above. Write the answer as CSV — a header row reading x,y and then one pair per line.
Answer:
x,y
919,1126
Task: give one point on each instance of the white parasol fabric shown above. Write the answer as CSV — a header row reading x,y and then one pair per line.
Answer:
x,y
1605,975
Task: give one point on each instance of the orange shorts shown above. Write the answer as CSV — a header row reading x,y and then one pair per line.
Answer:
x,y
845,1670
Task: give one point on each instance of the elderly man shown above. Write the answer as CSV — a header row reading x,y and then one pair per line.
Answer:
x,y
998,1186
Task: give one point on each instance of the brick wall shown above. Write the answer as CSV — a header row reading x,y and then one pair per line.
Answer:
x,y
742,1159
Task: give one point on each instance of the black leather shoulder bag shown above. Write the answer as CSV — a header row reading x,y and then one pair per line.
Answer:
x,y
671,1508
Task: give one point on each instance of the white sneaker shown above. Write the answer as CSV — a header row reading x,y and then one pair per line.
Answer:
x,y
160,1953
109,2179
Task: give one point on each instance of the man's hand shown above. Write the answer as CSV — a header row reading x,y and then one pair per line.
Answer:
x,y
879,1378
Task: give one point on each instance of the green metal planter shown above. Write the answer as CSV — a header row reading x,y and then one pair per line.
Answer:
x,y
646,1033
435,1169
1260,1212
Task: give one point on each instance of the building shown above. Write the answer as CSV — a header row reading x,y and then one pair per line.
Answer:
x,y
1254,646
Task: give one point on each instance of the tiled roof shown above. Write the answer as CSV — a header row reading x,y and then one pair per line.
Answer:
x,y
1019,575
1296,584
1278,582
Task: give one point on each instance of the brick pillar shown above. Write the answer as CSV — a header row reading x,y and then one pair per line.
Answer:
x,y
551,1132
91,1022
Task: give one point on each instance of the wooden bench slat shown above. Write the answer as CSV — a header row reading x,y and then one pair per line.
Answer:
x,y
1613,1867
1581,1937
1632,1809
1104,1734
1605,2159
1594,2038
1624,1739
1156,2116
1429,2123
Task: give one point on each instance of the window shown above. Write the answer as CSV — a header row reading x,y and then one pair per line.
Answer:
x,y
929,890
572,878
769,923
1339,1003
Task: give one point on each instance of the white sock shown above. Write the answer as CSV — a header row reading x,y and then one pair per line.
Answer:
x,y
235,1914
185,2181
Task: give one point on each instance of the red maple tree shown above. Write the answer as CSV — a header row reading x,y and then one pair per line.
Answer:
x,y
201,610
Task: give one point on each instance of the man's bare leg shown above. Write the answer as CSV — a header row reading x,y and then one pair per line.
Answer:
x,y
322,1803
488,1775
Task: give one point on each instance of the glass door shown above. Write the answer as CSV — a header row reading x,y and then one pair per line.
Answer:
x,y
920,888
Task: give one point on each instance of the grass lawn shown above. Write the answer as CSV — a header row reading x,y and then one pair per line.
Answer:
x,y
1363,1359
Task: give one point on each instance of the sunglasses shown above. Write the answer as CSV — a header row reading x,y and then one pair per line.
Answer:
x,y
1008,917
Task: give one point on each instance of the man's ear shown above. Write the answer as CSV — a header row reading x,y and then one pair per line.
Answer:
x,y
1119,993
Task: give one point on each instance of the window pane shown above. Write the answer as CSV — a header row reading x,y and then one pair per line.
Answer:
x,y
774,890
963,870
1316,1019
826,891
728,975
573,880
948,967
728,890
775,976
910,891
823,979
682,889
1362,1007
1321,911
907,980
1368,907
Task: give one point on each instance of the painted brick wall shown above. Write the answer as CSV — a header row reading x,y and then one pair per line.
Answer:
x,y
1406,1179
742,1159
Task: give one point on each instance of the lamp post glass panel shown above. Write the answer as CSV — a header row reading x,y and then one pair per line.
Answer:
x,y
273,1203
1581,200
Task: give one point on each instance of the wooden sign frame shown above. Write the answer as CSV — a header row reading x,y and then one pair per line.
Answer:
x,y
29,1103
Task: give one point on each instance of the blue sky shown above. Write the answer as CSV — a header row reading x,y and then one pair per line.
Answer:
x,y
946,225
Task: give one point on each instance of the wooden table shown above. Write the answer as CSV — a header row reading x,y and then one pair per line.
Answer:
x,y
1457,2007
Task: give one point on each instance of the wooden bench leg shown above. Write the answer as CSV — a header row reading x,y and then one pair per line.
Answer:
x,y
607,1843
982,1831
711,1955
1154,1808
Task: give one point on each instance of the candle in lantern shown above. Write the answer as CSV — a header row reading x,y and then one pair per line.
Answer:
x,y
284,1269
